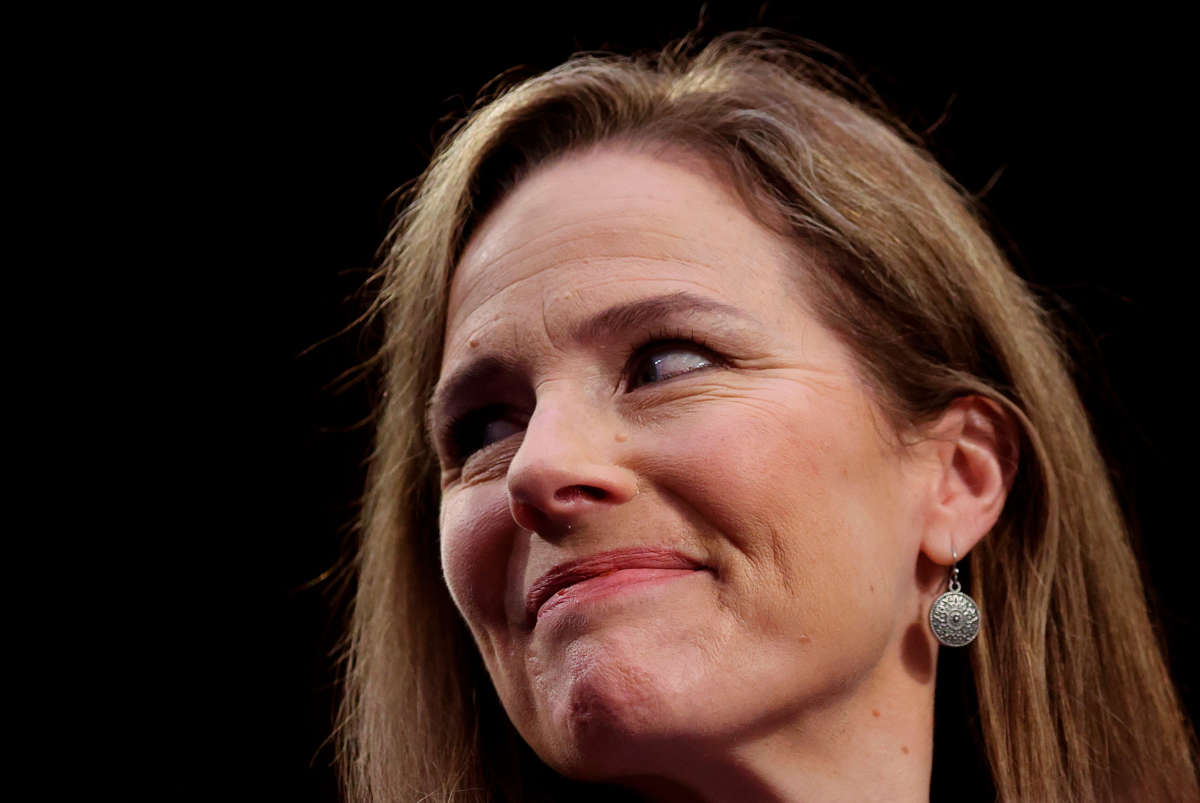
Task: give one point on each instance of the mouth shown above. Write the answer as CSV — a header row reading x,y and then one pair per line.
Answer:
x,y
603,572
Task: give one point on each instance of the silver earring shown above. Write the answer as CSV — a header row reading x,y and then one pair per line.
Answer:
x,y
954,616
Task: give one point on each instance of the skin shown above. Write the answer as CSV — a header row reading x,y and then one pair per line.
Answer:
x,y
796,663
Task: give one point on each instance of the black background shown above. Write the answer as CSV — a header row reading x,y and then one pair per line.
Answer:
x,y
281,137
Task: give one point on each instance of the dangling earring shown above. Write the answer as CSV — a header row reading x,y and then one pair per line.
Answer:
x,y
954,616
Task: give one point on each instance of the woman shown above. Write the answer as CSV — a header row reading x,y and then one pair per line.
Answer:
x,y
703,384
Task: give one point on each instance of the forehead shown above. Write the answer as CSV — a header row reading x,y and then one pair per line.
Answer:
x,y
606,226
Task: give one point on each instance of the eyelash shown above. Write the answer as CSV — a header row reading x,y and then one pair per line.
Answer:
x,y
454,433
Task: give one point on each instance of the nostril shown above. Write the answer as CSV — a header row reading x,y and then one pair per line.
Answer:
x,y
574,493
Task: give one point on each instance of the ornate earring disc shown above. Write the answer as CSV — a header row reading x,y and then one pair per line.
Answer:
x,y
954,619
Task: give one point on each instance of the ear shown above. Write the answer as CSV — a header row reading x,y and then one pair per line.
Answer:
x,y
975,445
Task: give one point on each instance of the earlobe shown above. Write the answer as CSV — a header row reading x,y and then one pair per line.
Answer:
x,y
976,443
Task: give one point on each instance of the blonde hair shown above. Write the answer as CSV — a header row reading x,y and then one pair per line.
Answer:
x,y
1075,701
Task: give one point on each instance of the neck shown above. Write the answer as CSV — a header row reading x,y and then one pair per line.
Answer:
x,y
872,743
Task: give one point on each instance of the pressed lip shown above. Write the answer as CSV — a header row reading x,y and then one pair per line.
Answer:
x,y
576,571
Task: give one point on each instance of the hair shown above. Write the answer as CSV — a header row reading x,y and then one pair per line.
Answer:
x,y
1075,702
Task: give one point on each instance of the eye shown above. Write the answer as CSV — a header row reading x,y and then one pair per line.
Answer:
x,y
662,361
481,428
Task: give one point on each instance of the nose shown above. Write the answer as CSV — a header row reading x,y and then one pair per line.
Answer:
x,y
565,469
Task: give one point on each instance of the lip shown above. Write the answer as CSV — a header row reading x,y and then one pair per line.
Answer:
x,y
574,572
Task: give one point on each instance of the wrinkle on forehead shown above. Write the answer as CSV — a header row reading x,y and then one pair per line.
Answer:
x,y
561,312
580,246
604,203
630,274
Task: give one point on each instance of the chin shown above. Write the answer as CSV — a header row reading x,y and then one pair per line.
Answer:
x,y
612,702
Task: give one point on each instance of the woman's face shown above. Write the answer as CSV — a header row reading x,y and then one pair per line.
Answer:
x,y
672,515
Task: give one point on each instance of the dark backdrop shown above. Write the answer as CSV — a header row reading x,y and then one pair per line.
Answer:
x,y
302,126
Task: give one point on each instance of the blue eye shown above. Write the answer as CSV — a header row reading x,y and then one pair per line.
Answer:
x,y
667,362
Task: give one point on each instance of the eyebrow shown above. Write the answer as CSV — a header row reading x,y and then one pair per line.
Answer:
x,y
646,312
633,315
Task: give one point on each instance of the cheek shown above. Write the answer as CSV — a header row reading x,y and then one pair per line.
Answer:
x,y
806,502
476,533
747,472
483,558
